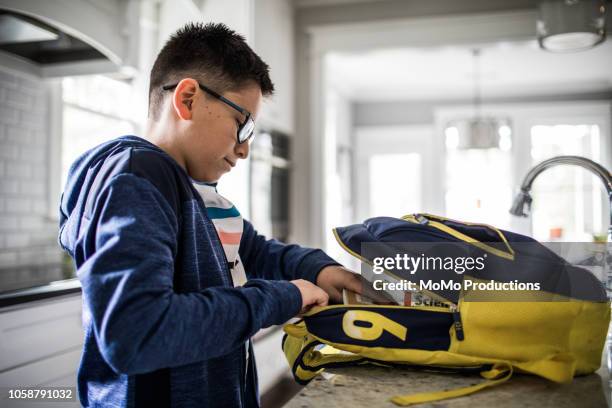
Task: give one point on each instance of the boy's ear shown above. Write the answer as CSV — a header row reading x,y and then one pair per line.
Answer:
x,y
183,97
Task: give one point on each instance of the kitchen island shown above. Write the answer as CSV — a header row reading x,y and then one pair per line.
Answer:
x,y
371,387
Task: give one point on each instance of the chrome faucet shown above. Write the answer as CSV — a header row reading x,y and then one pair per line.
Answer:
x,y
523,200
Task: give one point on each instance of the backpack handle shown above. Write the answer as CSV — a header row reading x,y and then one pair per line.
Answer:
x,y
429,219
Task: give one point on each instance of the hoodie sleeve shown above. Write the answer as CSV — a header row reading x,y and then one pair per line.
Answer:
x,y
141,324
271,259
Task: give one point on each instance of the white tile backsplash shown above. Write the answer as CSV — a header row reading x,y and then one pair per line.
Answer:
x,y
27,235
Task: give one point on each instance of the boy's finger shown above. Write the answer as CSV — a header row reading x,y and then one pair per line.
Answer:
x,y
354,283
323,299
334,293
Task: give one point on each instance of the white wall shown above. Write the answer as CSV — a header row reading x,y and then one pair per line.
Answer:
x,y
337,171
383,140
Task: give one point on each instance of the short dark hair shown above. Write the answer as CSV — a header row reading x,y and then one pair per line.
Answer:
x,y
211,53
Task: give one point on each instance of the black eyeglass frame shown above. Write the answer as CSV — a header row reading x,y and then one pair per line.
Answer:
x,y
248,120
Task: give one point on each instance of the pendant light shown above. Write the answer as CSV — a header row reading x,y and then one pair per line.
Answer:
x,y
478,132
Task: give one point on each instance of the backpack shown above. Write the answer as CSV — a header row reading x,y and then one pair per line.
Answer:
x,y
557,339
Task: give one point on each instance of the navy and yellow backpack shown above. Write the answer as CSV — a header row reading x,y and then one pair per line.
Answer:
x,y
556,338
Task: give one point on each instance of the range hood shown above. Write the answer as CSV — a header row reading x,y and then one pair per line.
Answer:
x,y
41,43
69,37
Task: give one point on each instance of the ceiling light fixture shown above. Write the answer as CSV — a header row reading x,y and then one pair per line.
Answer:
x,y
571,25
478,132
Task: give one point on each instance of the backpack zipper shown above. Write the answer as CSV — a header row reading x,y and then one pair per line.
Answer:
x,y
457,323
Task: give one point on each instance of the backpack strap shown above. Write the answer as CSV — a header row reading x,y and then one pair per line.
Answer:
x,y
306,360
428,219
498,374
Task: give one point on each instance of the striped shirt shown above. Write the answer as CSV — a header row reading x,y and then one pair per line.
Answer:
x,y
228,223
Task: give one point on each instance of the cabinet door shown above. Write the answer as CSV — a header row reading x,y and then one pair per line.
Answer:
x,y
273,42
41,343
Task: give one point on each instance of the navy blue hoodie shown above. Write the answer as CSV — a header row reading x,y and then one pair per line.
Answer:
x,y
163,324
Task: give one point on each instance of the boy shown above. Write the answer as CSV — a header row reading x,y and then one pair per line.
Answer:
x,y
166,323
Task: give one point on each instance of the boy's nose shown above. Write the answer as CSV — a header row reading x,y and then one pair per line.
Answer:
x,y
242,150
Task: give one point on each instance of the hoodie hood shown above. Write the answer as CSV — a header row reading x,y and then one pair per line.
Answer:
x,y
81,177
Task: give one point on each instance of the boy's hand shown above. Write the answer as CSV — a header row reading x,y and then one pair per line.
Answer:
x,y
312,295
332,279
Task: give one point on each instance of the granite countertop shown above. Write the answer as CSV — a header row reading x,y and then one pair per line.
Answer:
x,y
371,387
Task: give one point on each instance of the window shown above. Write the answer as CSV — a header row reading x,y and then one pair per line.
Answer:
x,y
479,185
96,109
569,203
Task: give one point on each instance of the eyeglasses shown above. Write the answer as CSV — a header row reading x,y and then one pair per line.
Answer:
x,y
245,129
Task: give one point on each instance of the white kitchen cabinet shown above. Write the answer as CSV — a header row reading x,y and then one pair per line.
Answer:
x,y
268,27
41,345
273,41
270,360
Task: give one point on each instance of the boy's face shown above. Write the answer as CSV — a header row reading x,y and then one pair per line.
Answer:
x,y
209,142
